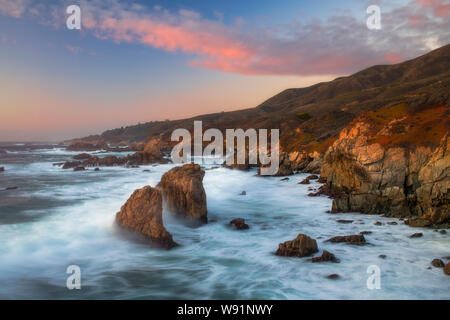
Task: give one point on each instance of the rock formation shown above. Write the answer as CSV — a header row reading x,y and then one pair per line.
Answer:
x,y
183,191
357,239
326,256
239,224
384,166
301,246
142,213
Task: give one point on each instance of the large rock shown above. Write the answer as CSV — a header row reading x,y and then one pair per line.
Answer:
x,y
301,246
357,239
447,269
142,213
403,179
183,192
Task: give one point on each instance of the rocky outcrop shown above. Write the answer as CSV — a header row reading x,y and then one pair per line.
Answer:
x,y
437,263
82,156
381,166
183,192
326,256
85,146
142,213
357,239
138,158
301,246
239,224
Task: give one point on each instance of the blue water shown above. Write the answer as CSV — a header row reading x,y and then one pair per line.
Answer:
x,y
58,218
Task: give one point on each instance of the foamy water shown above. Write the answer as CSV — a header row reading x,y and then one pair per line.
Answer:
x,y
70,220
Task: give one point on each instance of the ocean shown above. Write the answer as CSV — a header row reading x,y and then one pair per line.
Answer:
x,y
57,218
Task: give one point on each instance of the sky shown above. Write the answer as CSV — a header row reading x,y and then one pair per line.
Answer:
x,y
135,61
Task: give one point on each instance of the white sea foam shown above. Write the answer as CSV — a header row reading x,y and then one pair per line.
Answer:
x,y
213,261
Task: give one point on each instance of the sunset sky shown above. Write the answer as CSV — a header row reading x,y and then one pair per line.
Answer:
x,y
136,61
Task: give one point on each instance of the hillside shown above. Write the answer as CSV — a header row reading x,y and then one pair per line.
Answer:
x,y
311,118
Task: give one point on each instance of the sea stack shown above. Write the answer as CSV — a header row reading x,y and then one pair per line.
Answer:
x,y
183,192
142,213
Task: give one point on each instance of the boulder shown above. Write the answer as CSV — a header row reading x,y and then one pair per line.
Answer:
x,y
357,239
416,235
326,256
447,269
304,181
239,224
301,246
183,191
79,169
437,263
142,213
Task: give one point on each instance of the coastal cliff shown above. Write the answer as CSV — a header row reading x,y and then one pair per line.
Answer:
x,y
393,162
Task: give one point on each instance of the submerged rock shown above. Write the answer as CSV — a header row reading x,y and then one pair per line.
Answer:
x,y
344,221
333,276
239,224
326,256
312,177
243,193
142,213
365,232
2,169
79,169
437,263
301,246
183,191
357,239
416,235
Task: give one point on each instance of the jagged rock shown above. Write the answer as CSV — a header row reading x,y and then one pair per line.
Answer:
x,y
326,256
304,181
142,213
239,224
417,222
416,235
183,191
437,263
378,177
357,239
301,246
79,169
327,191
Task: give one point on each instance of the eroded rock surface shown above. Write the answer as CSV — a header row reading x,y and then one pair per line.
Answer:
x,y
183,191
142,213
301,246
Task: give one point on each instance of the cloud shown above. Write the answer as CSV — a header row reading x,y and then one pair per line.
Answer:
x,y
339,45
13,8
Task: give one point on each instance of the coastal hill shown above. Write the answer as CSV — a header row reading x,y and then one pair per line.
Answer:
x,y
311,118
379,138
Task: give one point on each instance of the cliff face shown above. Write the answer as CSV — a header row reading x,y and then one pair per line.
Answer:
x,y
394,162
